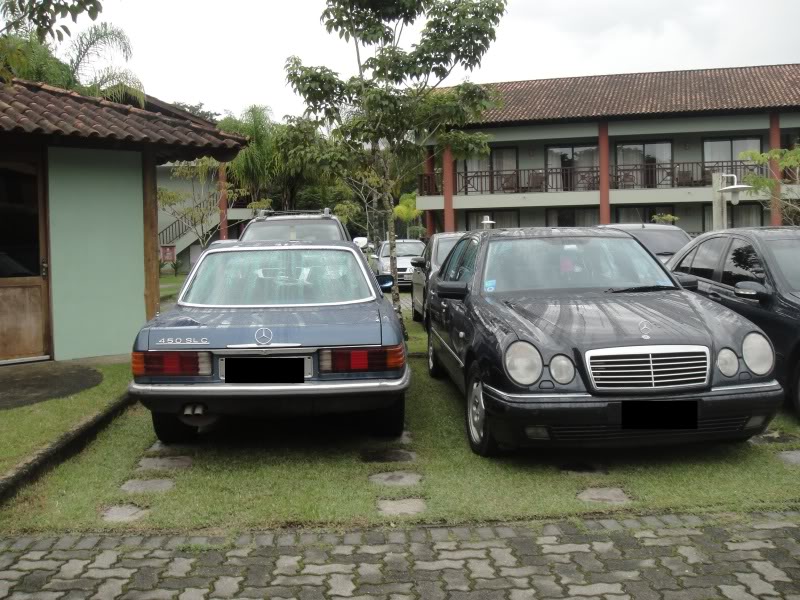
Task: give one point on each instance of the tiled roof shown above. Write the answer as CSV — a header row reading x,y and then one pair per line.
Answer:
x,y
647,94
40,109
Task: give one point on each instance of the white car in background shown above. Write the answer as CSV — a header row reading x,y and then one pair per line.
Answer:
x,y
406,250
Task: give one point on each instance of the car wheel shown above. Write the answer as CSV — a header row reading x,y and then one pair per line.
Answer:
x,y
479,432
390,421
171,430
434,367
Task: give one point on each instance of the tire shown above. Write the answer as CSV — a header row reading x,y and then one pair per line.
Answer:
x,y
390,421
171,430
795,397
434,366
479,432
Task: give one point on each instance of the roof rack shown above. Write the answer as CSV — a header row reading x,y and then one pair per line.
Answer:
x,y
268,212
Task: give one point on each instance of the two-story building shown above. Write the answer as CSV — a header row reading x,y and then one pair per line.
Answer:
x,y
580,151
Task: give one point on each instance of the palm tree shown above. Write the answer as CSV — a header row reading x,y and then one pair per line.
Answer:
x,y
75,72
407,210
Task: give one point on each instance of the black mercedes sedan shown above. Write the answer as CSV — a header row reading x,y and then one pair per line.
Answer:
x,y
273,328
755,272
580,337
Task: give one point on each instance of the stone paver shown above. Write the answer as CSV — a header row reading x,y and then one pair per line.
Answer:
x,y
125,513
604,495
407,506
668,557
144,486
790,457
396,478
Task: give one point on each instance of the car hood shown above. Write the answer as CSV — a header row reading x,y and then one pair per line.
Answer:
x,y
354,324
612,320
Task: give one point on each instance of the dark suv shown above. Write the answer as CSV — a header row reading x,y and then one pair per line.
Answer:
x,y
295,225
755,272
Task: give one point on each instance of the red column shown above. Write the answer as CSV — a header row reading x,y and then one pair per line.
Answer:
x,y
430,223
223,202
605,168
430,188
447,189
774,144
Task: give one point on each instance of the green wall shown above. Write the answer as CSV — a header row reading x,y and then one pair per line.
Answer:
x,y
96,250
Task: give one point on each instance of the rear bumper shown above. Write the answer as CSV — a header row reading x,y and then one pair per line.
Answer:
x,y
583,420
316,397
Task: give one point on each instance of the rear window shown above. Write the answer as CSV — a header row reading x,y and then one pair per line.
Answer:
x,y
307,230
278,277
661,242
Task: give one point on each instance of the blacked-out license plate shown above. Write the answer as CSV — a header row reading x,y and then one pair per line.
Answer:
x,y
665,414
290,369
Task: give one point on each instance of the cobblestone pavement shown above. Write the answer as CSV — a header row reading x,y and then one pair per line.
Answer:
x,y
668,557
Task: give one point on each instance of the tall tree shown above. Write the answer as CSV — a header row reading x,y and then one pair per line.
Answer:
x,y
198,111
383,115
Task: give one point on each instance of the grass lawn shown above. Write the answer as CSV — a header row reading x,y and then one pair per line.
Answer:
x,y
170,285
27,429
417,336
261,474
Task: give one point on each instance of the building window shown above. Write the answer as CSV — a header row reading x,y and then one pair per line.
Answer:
x,y
641,214
572,217
572,168
501,218
745,215
644,165
729,149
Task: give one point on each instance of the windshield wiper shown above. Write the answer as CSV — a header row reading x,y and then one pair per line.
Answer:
x,y
665,253
641,288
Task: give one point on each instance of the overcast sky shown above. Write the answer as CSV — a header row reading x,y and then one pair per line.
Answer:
x,y
231,54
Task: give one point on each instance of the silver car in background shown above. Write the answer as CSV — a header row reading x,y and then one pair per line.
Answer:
x,y
406,250
426,266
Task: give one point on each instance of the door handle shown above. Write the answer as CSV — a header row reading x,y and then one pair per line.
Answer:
x,y
714,296
444,304
45,268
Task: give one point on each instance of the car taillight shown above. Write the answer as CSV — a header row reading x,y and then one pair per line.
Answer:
x,y
157,364
359,360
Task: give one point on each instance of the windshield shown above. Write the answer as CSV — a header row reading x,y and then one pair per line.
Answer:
x,y
661,242
269,277
405,249
313,231
785,253
569,263
443,249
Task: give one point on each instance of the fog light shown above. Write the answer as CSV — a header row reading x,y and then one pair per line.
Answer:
x,y
537,433
755,422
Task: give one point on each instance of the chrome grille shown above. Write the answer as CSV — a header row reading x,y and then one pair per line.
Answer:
x,y
648,367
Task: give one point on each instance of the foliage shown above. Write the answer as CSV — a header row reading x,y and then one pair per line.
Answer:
x,y
175,265
251,169
198,111
42,16
162,264
382,118
197,210
665,219
787,162
38,62
407,211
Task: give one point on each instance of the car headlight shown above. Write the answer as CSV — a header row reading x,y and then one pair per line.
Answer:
x,y
562,369
523,363
727,362
757,353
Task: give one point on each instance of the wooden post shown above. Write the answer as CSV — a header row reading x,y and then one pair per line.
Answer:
x,y
605,168
223,202
775,214
150,209
447,189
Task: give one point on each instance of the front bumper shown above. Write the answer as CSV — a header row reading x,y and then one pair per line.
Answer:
x,y
314,397
583,420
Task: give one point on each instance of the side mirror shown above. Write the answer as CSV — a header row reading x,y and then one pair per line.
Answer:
x,y
361,242
452,290
688,282
385,282
373,256
418,262
751,290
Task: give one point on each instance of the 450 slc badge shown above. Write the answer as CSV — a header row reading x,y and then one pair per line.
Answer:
x,y
186,340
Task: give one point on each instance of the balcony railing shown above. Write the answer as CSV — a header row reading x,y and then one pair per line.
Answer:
x,y
578,179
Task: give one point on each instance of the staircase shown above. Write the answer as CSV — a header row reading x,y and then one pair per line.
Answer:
x,y
181,235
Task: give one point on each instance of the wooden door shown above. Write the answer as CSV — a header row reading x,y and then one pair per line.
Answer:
x,y
24,293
